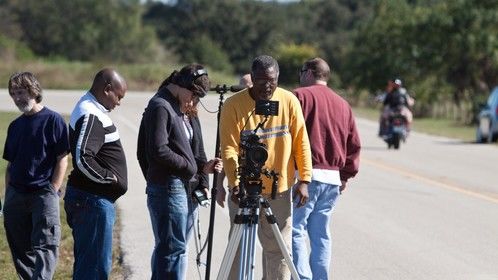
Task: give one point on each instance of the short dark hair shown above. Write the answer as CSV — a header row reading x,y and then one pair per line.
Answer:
x,y
28,81
264,62
319,68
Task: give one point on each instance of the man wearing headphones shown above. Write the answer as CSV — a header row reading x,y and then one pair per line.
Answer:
x,y
172,158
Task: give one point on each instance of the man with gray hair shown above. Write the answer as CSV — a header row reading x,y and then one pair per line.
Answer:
x,y
36,149
288,151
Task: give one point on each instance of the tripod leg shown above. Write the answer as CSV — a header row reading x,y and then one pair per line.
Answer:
x,y
233,244
248,244
278,236
243,252
252,248
243,235
197,240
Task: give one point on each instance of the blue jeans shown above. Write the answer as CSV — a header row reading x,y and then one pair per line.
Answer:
x,y
312,220
91,217
172,214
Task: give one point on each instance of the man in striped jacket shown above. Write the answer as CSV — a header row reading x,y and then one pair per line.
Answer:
x,y
98,178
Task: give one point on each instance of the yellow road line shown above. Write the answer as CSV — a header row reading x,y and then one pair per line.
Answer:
x,y
412,175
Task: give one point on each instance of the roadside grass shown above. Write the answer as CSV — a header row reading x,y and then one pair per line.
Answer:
x,y
439,127
6,265
79,75
65,264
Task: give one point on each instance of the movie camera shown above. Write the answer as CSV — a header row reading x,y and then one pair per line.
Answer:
x,y
253,155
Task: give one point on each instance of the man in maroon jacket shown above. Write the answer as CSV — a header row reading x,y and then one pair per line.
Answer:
x,y
335,149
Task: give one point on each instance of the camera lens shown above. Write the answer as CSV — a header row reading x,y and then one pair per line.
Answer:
x,y
258,155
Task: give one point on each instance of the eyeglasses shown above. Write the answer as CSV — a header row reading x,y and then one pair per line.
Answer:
x,y
301,71
264,82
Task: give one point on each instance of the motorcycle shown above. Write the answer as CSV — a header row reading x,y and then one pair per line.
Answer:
x,y
397,129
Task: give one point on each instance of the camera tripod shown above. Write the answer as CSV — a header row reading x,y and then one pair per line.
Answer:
x,y
244,234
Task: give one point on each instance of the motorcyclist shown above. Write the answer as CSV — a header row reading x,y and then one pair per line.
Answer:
x,y
396,98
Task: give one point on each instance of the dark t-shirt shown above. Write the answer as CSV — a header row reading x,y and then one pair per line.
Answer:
x,y
395,99
32,146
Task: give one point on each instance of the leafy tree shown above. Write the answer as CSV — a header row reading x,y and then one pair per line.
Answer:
x,y
242,29
326,24
431,43
290,59
466,49
203,50
85,29
381,46
13,50
8,20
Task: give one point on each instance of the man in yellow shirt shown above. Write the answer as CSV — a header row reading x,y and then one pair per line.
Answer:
x,y
288,147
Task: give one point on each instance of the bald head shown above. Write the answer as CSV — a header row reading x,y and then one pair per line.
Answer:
x,y
107,76
109,87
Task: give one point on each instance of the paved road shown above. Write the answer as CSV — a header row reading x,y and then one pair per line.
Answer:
x,y
427,211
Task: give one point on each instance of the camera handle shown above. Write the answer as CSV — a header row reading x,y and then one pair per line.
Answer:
x,y
260,125
273,175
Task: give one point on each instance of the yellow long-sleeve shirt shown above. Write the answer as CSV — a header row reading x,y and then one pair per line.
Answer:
x,y
284,135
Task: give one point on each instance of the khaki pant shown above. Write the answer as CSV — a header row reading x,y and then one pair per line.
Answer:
x,y
272,256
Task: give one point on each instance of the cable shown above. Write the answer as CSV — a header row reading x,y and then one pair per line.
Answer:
x,y
203,106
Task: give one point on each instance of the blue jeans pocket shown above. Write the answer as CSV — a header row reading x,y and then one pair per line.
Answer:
x,y
76,211
333,194
173,186
176,186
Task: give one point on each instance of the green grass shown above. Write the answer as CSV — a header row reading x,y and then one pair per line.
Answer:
x,y
6,265
445,127
439,127
65,263
79,75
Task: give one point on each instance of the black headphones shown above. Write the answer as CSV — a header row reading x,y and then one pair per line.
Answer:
x,y
187,81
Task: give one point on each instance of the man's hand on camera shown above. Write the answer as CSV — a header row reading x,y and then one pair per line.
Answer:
x,y
301,193
233,195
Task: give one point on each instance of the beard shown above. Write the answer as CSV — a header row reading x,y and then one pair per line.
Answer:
x,y
25,107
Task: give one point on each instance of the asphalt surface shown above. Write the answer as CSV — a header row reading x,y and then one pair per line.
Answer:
x,y
426,211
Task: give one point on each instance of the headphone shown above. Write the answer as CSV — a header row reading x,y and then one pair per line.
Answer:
x,y
187,81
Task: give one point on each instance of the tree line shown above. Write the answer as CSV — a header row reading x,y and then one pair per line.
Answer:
x,y
445,51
